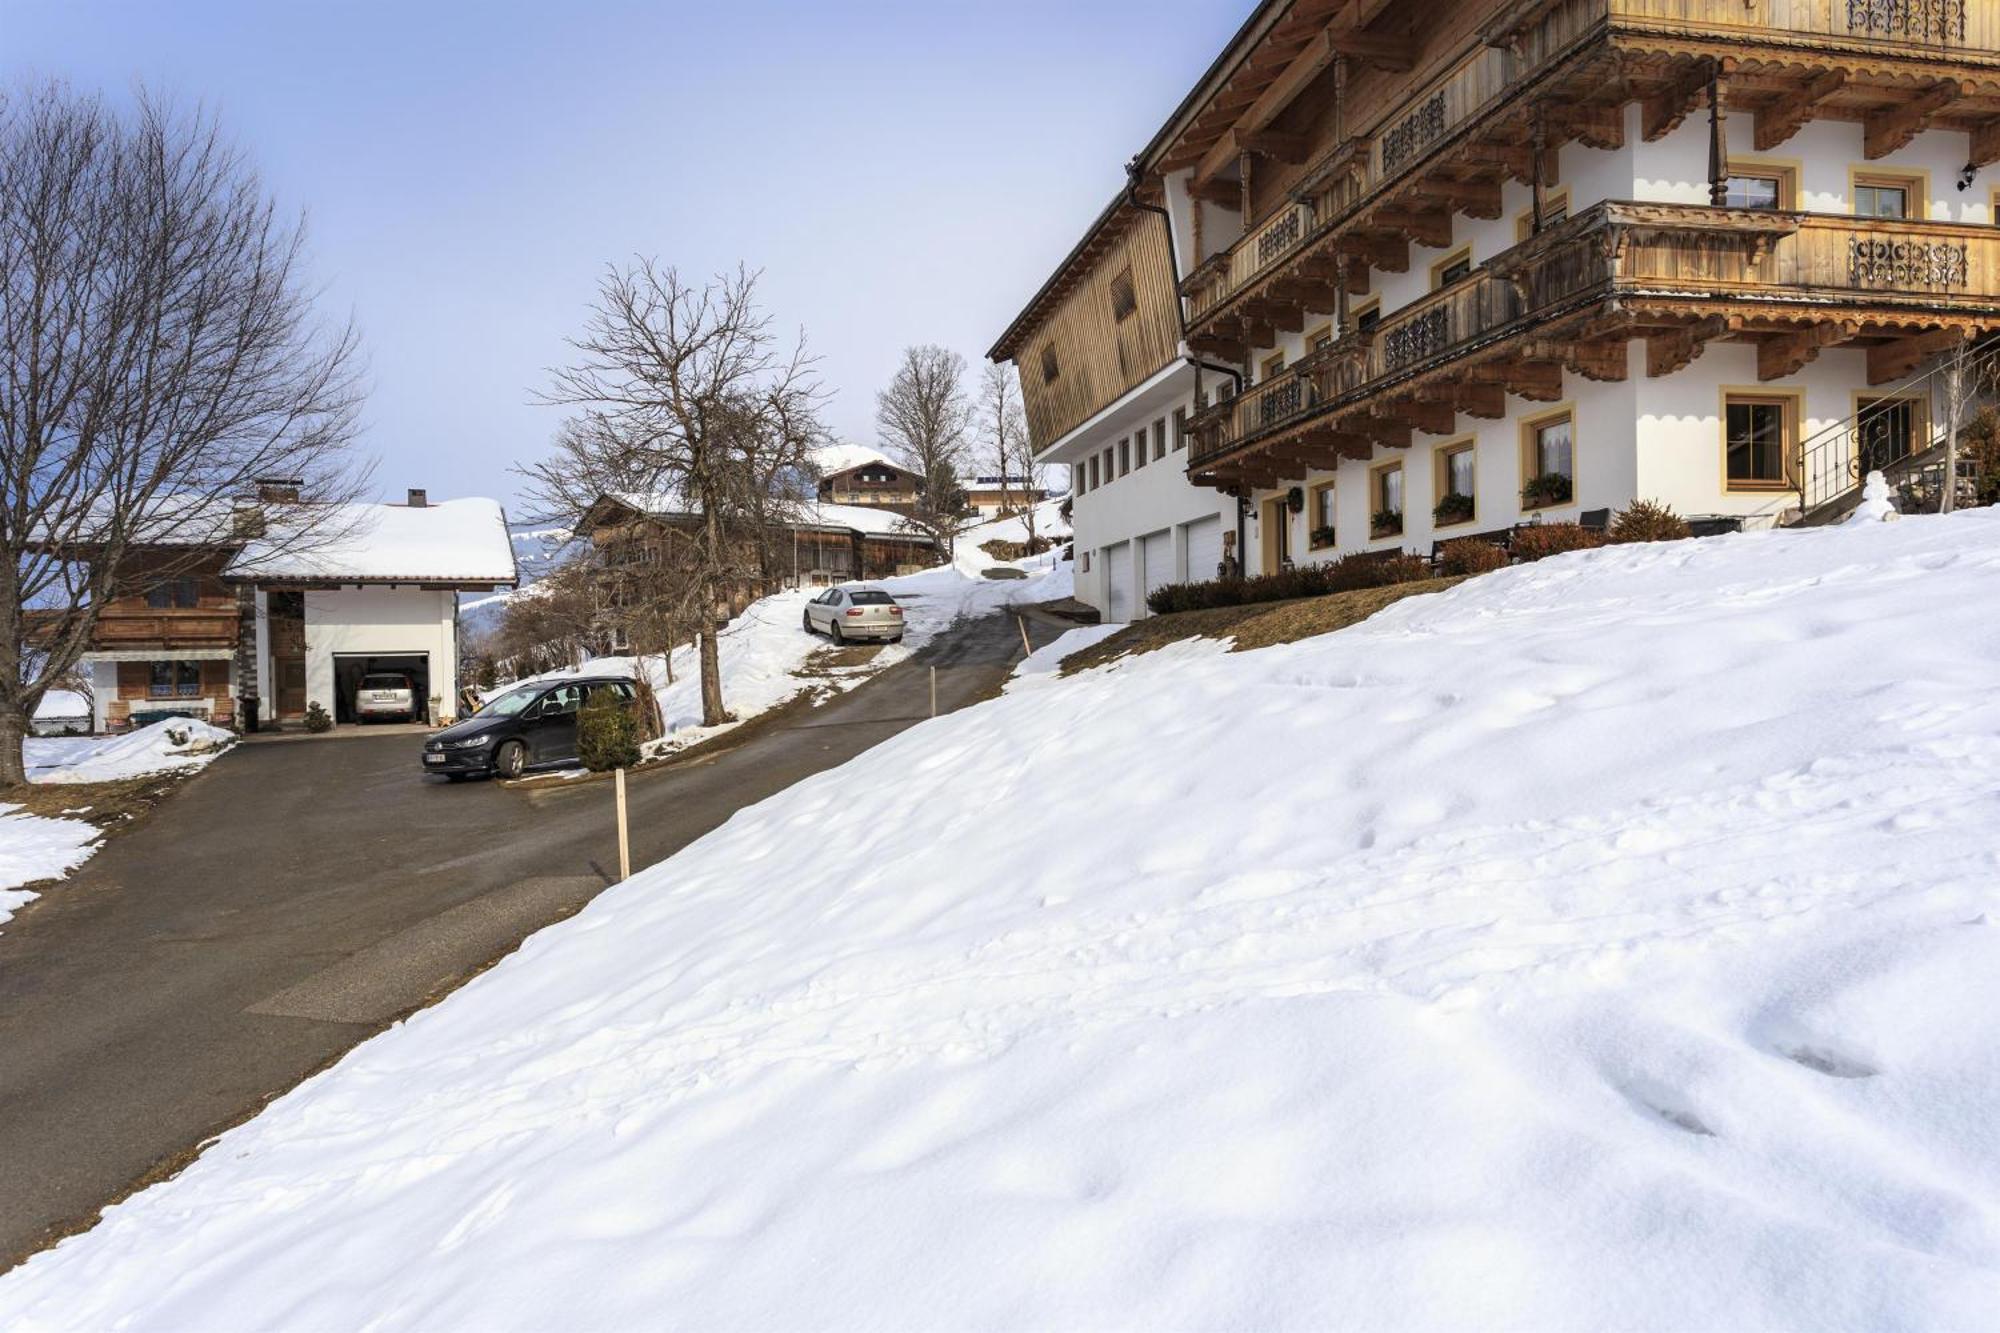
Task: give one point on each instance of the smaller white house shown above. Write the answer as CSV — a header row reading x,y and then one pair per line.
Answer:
x,y
379,594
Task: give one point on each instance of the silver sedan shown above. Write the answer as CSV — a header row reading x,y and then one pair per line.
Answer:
x,y
855,613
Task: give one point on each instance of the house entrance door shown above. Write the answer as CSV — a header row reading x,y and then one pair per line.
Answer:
x,y
287,615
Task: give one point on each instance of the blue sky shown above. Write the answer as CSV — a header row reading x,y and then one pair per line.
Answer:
x,y
901,172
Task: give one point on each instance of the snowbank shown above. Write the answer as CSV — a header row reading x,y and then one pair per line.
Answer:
x,y
182,743
34,847
1608,942
1049,658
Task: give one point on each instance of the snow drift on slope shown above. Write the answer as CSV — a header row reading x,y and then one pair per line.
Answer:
x,y
1608,942
170,746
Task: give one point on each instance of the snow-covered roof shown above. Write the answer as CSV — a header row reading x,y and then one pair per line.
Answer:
x,y
834,458
868,520
462,542
62,704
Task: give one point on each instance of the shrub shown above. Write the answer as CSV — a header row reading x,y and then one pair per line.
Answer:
x,y
1385,523
607,733
1648,521
1469,555
1453,508
1343,575
317,718
1537,540
1551,488
1980,441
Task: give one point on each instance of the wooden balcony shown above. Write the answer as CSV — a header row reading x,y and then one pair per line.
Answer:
x,y
198,627
1676,276
1562,72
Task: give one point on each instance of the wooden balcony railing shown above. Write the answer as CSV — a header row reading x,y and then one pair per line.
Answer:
x,y
1694,258
1483,82
1281,235
195,628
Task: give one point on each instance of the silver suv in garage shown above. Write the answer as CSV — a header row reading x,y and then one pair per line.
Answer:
x,y
383,695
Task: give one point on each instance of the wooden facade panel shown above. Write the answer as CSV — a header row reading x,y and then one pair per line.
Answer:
x,y
1096,355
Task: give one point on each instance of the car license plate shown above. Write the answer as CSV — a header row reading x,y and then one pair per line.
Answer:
x,y
434,759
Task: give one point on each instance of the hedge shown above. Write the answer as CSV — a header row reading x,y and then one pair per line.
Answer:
x,y
1346,574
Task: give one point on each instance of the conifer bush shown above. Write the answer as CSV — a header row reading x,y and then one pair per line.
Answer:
x,y
1648,521
607,733
1536,541
317,718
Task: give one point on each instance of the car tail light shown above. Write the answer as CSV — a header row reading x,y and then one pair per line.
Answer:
x,y
853,610
896,611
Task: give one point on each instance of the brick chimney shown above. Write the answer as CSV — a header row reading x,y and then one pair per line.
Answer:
x,y
418,499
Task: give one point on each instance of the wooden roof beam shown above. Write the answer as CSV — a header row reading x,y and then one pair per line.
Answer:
x,y
1308,65
1424,226
1890,128
1670,350
1895,360
1393,52
1984,145
1222,193
1787,116
1662,113
1278,145
1789,353
1475,198
1488,401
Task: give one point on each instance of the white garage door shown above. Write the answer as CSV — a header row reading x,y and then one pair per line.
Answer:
x,y
1204,548
1156,553
1118,572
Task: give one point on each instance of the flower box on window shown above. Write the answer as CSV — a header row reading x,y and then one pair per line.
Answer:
x,y
1551,488
1386,523
1322,538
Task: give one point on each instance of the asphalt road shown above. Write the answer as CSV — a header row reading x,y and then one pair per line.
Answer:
x,y
294,899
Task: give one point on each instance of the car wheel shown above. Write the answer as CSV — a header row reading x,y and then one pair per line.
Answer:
x,y
806,621
836,634
897,639
511,759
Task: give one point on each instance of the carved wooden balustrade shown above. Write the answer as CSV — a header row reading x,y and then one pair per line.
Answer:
x,y
1676,275
1482,93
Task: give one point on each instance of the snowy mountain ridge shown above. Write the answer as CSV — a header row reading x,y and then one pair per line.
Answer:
x,y
1605,942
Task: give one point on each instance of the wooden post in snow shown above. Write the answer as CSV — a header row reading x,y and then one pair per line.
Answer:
x,y
933,691
1026,647
624,838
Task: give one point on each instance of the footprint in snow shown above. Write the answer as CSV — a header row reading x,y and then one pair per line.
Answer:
x,y
1831,1063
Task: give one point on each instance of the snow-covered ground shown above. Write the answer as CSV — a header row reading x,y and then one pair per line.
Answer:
x,y
180,743
38,847
764,652
1610,942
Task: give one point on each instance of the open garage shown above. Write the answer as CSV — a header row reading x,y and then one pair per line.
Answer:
x,y
350,668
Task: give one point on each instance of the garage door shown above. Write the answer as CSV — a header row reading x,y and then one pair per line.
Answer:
x,y
1118,572
1156,552
350,668
1204,548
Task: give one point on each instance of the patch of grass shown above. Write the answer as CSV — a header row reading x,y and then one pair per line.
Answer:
x,y
1257,626
105,805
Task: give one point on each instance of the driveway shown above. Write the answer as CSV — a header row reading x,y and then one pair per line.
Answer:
x,y
295,899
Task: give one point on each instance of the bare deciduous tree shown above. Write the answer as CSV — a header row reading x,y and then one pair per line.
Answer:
x,y
158,355
683,392
1004,433
924,418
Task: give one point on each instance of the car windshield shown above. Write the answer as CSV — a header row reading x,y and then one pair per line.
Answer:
x,y
510,703
383,683
870,597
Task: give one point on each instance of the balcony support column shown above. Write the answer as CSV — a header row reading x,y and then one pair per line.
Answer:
x,y
1718,142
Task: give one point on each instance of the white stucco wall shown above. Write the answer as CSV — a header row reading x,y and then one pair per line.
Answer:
x,y
1155,498
381,620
